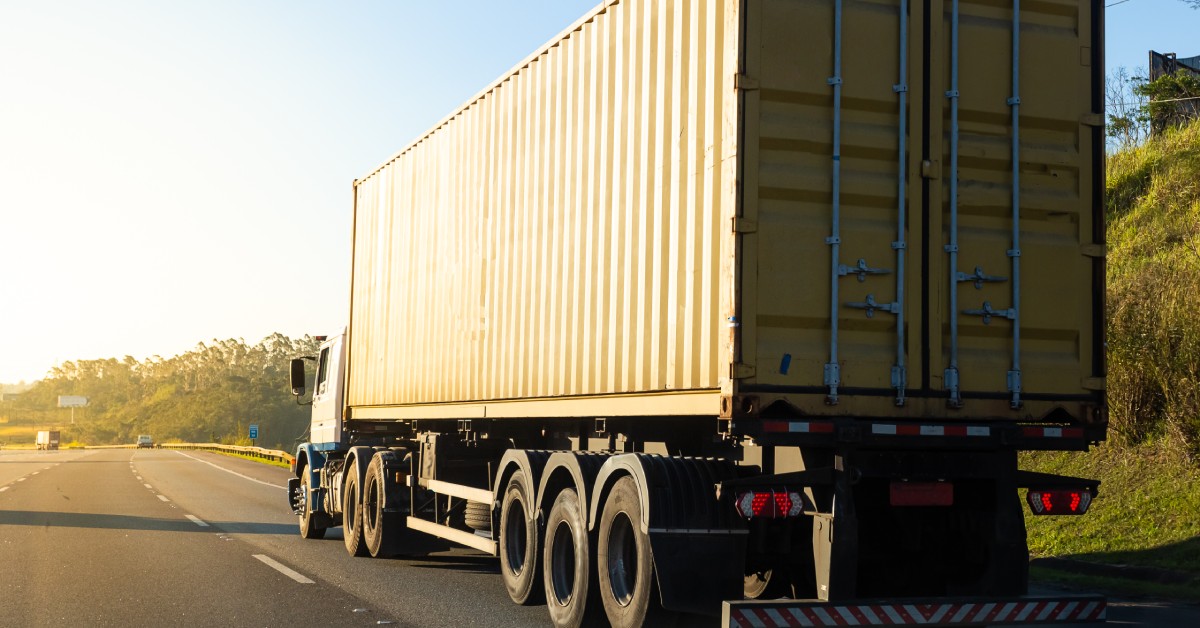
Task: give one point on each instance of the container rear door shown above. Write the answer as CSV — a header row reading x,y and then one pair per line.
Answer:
x,y
874,281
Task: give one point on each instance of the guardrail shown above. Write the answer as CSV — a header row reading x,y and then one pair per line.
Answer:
x,y
252,452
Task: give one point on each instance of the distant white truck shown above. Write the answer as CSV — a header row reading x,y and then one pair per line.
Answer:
x,y
47,439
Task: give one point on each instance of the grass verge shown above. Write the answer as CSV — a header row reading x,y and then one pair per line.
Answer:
x,y
1145,517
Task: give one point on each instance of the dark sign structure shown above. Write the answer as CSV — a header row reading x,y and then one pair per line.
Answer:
x,y
1166,64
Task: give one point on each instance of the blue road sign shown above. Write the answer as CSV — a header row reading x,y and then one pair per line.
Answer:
x,y
253,431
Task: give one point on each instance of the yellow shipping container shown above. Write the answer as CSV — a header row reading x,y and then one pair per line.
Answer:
x,y
721,207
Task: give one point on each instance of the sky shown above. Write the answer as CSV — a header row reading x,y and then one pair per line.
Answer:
x,y
176,172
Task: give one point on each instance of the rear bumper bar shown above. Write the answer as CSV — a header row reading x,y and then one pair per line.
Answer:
x,y
1026,610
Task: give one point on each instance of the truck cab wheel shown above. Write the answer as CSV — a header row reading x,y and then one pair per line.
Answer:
x,y
309,528
352,509
625,563
520,560
381,530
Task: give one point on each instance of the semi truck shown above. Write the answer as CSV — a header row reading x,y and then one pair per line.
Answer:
x,y
736,307
47,440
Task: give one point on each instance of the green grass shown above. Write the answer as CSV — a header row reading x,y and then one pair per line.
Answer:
x,y
1147,513
1119,586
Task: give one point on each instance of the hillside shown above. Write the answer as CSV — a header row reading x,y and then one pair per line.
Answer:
x,y
1153,213
212,393
1150,468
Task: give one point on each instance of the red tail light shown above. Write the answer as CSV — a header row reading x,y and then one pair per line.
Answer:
x,y
770,504
1059,502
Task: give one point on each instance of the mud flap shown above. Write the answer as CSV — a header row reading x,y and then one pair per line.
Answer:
x,y
697,570
835,541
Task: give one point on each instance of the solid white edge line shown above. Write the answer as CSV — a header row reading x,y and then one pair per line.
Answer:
x,y
196,520
283,569
217,466
163,497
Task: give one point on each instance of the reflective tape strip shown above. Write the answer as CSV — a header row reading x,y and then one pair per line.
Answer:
x,y
957,613
888,429
798,427
1053,432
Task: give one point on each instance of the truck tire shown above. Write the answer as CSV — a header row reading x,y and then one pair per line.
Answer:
x,y
478,516
623,558
308,519
520,566
352,508
567,565
381,530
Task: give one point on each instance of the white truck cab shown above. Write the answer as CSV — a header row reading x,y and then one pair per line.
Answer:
x,y
326,416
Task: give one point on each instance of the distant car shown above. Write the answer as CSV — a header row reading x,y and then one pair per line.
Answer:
x,y
144,440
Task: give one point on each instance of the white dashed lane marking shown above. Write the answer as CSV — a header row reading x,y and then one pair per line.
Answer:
x,y
163,498
196,520
148,486
246,477
283,569
3,488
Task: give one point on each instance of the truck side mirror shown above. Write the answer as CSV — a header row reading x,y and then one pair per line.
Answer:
x,y
298,377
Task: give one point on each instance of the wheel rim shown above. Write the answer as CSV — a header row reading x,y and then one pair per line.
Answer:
x,y
369,510
622,559
514,537
302,501
562,560
351,501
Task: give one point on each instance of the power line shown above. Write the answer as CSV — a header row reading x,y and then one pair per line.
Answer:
x,y
1116,3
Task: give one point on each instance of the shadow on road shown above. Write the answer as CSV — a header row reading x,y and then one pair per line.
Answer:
x,y
44,519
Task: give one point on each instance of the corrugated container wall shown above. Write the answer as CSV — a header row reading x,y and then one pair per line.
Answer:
x,y
562,234
702,207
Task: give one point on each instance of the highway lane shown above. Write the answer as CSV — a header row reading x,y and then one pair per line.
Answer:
x,y
442,586
87,543
158,537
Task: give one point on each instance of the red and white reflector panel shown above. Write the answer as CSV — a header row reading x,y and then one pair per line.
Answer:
x,y
770,504
754,614
1059,502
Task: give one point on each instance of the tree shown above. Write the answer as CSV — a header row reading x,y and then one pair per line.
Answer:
x,y
1172,99
1128,120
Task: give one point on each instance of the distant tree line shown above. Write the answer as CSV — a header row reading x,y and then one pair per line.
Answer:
x,y
209,394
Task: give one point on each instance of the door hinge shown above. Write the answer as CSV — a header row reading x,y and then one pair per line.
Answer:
x,y
744,225
740,370
744,83
1093,383
1093,250
1092,119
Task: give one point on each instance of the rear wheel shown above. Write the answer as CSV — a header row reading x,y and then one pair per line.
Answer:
x,y
381,530
519,556
567,563
352,514
625,563
309,528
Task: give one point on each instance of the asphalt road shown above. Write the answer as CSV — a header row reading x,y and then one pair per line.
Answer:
x,y
159,537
